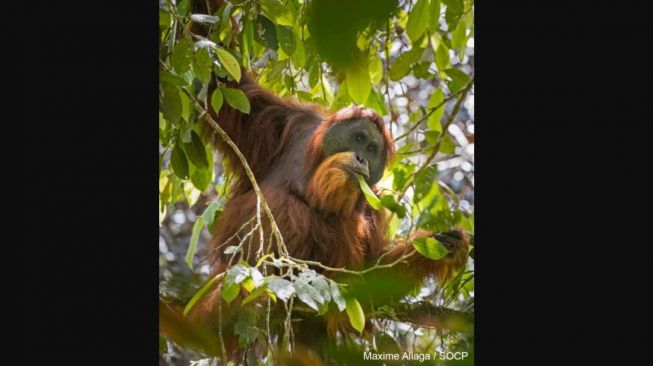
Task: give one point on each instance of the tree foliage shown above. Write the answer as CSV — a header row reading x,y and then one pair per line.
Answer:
x,y
412,62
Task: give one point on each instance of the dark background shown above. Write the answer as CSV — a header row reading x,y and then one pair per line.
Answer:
x,y
573,101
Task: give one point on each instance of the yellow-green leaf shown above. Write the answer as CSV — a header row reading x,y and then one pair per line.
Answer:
x,y
279,13
376,70
418,19
371,198
200,293
236,99
216,100
355,313
436,116
358,82
229,62
430,248
192,246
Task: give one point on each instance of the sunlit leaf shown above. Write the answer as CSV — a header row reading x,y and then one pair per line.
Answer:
x,y
358,82
401,66
442,57
434,16
458,79
371,198
434,120
355,313
418,19
376,70
192,246
458,36
391,204
430,248
192,193
278,12
200,293
229,62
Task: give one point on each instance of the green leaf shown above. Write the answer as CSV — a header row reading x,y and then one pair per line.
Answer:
x,y
200,293
418,19
299,56
355,313
192,246
371,198
182,56
265,33
191,192
236,99
458,79
172,79
434,16
196,151
256,293
209,213
231,285
201,178
454,10
447,146
247,332
185,106
286,39
391,204
376,102
202,65
424,180
279,13
430,248
282,288
401,173
434,120
458,36
376,70
358,82
230,291
216,100
229,62
401,66
442,57
179,163
171,103
393,226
